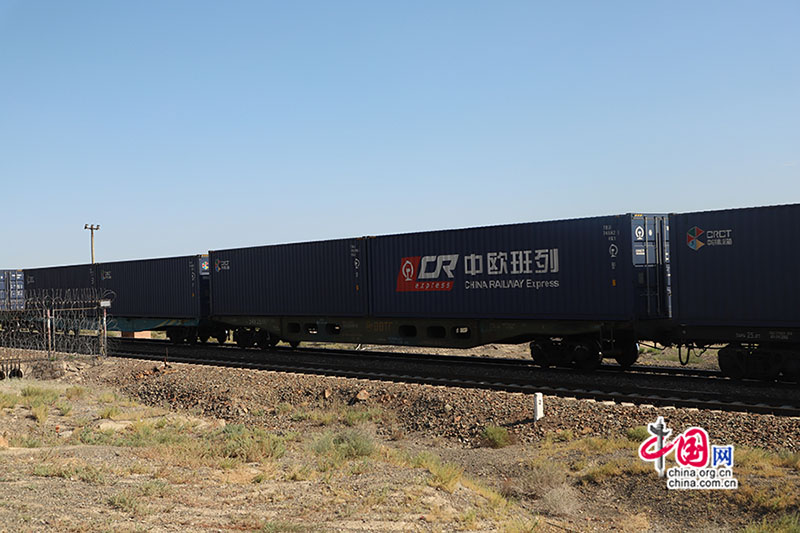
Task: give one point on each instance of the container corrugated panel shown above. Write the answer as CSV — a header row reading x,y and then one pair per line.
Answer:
x,y
737,267
570,269
59,280
153,288
313,278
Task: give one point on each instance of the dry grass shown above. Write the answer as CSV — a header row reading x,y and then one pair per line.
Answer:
x,y
775,497
40,413
496,501
33,396
64,408
563,500
343,445
765,463
495,437
73,470
601,471
75,393
108,412
521,525
541,476
9,401
785,524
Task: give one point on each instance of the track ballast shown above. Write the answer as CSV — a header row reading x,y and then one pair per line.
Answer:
x,y
647,385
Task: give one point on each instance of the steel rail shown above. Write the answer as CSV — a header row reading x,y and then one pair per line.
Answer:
x,y
472,372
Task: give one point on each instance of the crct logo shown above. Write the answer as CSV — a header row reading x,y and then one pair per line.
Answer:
x,y
711,237
427,273
693,238
222,265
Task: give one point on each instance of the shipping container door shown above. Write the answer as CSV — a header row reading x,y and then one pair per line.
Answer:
x,y
650,235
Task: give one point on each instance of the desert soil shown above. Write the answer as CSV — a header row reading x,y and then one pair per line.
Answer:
x,y
122,445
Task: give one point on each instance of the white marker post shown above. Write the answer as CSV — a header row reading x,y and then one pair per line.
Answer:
x,y
538,406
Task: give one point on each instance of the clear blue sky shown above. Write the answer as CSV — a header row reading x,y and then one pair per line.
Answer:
x,y
184,126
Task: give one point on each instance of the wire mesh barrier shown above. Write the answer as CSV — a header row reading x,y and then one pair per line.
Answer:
x,y
54,321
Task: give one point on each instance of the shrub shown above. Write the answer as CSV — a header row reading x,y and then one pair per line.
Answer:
x,y
109,412
347,444
562,500
64,408
637,434
495,436
250,445
9,400
542,476
445,476
38,396
40,413
75,393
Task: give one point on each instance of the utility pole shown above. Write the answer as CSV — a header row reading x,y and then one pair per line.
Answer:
x,y
92,228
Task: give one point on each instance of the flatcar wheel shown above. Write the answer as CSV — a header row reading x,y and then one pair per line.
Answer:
x,y
791,369
587,356
764,365
731,362
244,337
222,338
294,344
264,340
540,355
176,335
629,355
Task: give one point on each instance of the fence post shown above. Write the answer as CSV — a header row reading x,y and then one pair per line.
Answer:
x,y
105,333
49,334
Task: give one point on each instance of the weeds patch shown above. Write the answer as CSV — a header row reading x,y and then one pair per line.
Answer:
x,y
40,413
75,393
344,445
73,471
563,500
495,437
784,524
64,408
9,401
34,396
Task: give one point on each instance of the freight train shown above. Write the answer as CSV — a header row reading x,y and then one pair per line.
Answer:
x,y
577,290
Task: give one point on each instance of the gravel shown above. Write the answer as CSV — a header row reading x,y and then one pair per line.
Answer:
x,y
458,415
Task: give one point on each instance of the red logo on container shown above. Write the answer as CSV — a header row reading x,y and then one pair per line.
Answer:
x,y
408,277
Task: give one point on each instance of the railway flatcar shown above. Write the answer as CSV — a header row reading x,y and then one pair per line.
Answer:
x,y
736,283
578,290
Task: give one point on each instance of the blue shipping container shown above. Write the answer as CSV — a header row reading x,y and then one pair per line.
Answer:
x,y
154,288
568,269
59,281
312,278
737,267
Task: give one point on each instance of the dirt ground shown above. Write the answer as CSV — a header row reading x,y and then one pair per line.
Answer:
x,y
98,450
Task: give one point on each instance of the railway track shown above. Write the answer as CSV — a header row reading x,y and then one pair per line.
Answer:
x,y
701,391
